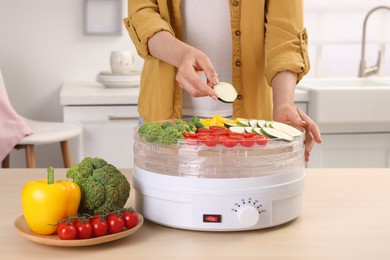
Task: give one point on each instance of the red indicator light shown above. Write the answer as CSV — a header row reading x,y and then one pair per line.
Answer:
x,y
212,218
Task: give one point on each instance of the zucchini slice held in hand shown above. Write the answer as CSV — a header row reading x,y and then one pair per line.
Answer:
x,y
225,92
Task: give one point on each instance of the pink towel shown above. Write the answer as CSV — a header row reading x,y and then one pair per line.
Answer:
x,y
12,128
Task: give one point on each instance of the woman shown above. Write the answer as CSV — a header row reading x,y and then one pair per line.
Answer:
x,y
260,46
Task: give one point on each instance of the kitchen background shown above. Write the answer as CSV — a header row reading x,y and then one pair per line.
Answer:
x,y
42,46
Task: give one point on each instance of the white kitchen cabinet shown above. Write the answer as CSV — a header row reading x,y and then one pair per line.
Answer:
x,y
107,117
107,132
351,113
370,150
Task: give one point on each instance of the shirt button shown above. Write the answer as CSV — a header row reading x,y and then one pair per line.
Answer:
x,y
236,3
239,97
128,23
237,32
238,63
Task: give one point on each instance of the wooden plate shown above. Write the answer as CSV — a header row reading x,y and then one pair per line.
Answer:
x,y
53,240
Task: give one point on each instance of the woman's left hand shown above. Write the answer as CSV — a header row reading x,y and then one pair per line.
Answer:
x,y
294,116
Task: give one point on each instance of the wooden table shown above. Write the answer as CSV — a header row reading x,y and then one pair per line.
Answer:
x,y
346,216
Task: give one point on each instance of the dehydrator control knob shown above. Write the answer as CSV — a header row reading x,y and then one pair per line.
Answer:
x,y
248,216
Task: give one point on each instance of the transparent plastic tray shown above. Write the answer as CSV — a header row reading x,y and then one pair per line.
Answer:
x,y
195,159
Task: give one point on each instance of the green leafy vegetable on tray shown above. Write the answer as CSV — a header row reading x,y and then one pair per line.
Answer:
x,y
169,132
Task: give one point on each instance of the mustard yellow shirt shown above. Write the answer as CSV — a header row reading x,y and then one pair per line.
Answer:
x,y
268,37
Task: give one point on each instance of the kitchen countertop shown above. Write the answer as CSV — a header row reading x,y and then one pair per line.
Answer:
x,y
94,93
346,215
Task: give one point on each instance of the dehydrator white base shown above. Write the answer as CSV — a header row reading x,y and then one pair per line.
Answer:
x,y
231,204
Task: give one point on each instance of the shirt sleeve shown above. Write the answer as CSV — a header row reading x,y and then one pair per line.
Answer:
x,y
143,21
285,39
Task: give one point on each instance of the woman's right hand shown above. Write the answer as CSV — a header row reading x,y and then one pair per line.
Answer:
x,y
193,63
189,61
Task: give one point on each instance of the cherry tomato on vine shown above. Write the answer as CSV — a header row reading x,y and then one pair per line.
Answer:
x,y
66,231
99,226
115,223
83,228
130,218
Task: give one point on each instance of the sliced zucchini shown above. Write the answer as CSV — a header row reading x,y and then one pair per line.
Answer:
x,y
286,128
228,125
225,92
248,129
261,123
237,129
243,122
257,130
276,133
267,123
253,123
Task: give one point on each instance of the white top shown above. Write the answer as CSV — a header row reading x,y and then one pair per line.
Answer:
x,y
206,26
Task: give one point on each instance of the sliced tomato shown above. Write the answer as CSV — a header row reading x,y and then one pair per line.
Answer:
x,y
209,140
235,135
248,135
231,141
215,128
190,135
261,139
220,132
247,142
205,130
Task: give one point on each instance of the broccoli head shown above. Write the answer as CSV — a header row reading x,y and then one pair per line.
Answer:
x,y
166,124
194,123
150,131
170,131
103,187
170,136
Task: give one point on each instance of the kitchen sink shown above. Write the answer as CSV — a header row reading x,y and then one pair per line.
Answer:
x,y
342,105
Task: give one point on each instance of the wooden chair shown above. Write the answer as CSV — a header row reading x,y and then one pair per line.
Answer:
x,y
44,133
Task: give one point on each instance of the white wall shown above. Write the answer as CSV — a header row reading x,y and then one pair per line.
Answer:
x,y
42,46
335,34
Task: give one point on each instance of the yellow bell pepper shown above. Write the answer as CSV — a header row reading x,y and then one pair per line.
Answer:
x,y
216,120
45,202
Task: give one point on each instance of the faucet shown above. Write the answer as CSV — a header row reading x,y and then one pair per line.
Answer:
x,y
363,70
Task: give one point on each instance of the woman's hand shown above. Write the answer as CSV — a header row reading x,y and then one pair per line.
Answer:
x,y
284,110
189,61
192,63
294,116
